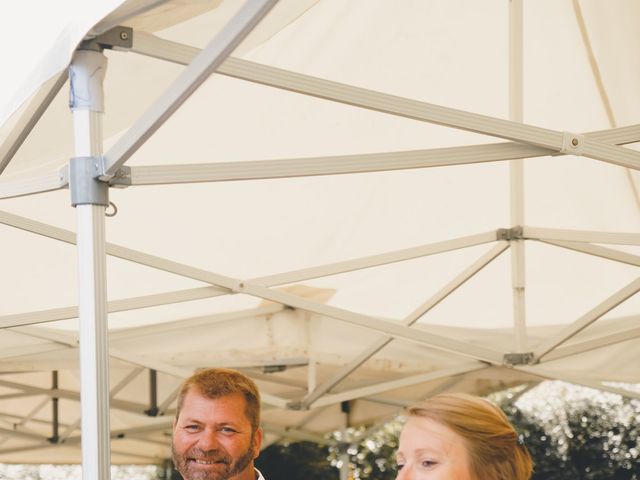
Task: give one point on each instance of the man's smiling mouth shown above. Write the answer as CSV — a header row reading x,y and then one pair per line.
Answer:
x,y
208,462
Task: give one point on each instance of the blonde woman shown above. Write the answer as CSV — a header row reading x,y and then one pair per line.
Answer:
x,y
460,437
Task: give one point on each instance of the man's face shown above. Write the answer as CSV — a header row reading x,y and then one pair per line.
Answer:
x,y
212,438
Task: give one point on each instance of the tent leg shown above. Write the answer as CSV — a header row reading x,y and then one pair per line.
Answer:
x,y
89,196
517,175
345,460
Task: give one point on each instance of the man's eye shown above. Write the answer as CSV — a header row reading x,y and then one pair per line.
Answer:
x,y
227,430
191,427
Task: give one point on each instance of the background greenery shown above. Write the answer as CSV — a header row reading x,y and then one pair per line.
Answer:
x,y
572,433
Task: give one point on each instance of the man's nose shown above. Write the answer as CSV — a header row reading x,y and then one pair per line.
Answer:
x,y
208,440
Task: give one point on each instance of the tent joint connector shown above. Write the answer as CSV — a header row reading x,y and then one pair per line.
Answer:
x,y
121,37
572,143
515,233
514,359
296,405
120,179
84,181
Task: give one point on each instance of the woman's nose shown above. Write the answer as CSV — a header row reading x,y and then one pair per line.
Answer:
x,y
403,474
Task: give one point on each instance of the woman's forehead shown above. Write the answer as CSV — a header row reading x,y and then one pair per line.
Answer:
x,y
425,433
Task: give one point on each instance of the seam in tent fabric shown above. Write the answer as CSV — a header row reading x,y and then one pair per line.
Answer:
x,y
597,76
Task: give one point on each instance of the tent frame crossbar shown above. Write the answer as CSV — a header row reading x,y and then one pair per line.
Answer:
x,y
314,166
585,236
529,232
598,251
113,306
435,299
71,341
266,281
298,167
585,320
199,69
553,140
599,145
120,385
584,382
337,398
29,117
584,346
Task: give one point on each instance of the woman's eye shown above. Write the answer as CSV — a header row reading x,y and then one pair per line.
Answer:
x,y
429,463
399,466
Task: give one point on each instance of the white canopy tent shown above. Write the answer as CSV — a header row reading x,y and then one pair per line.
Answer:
x,y
368,202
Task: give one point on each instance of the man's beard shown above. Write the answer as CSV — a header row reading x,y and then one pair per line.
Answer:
x,y
227,467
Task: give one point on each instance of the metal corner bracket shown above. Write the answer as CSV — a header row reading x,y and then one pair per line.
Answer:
x,y
85,184
296,405
514,359
121,37
515,233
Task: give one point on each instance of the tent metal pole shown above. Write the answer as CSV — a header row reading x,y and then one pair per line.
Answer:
x,y
598,251
516,168
202,66
374,348
55,437
89,197
603,341
613,238
153,393
28,119
382,387
560,142
345,464
587,319
583,382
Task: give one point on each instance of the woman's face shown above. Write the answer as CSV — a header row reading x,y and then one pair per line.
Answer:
x,y
430,451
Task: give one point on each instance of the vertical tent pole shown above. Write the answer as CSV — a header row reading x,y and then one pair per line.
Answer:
x,y
345,464
55,421
90,197
517,176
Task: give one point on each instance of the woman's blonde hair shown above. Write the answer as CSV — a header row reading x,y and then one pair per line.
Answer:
x,y
496,452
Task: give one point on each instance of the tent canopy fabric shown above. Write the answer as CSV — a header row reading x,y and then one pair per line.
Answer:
x,y
368,202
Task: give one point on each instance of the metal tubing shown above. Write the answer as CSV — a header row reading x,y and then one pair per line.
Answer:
x,y
374,348
193,76
54,402
28,119
153,393
94,362
587,319
516,168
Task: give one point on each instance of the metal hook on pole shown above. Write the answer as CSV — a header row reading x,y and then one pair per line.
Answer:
x,y
113,212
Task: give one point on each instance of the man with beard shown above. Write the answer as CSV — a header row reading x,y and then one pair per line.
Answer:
x,y
216,432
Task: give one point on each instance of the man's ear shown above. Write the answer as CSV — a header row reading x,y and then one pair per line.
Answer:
x,y
257,442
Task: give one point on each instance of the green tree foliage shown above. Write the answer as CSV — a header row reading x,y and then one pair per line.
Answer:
x,y
593,436
296,461
371,455
571,432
